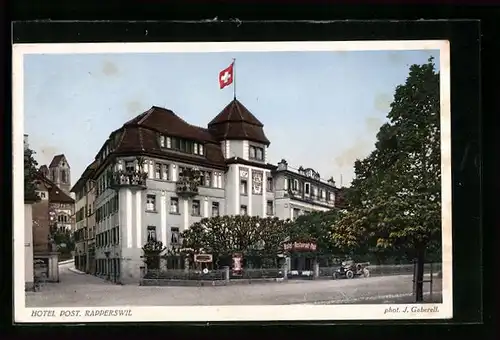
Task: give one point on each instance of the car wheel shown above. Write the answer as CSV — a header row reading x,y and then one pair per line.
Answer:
x,y
349,274
366,273
336,276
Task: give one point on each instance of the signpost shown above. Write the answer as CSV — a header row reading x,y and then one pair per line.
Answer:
x,y
237,263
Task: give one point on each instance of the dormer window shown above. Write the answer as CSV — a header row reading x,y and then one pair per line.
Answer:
x,y
182,145
198,149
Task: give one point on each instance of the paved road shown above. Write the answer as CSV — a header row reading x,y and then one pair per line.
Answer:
x,y
86,290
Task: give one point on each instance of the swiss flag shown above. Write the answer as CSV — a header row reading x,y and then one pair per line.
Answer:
x,y
226,76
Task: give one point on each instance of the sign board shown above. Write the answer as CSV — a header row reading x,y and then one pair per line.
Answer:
x,y
237,259
300,246
203,258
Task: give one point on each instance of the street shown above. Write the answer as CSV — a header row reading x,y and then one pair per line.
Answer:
x,y
85,291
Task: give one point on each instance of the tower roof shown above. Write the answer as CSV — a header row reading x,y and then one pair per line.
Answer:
x,y
235,121
56,160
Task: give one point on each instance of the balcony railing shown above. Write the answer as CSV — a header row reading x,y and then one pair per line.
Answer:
x,y
120,179
186,188
188,183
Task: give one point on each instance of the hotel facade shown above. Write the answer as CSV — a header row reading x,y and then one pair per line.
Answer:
x,y
157,175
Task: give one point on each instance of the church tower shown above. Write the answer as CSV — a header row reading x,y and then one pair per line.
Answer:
x,y
60,173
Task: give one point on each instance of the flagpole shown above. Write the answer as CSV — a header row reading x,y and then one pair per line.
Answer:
x,y
234,79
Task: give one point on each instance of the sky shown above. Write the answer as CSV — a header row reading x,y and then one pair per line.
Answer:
x,y
319,109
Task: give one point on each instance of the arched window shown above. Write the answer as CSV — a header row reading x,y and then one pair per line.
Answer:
x,y
63,176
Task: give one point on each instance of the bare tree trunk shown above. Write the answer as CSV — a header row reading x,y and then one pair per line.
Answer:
x,y
419,275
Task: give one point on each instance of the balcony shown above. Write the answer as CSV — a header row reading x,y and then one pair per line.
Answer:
x,y
128,179
188,183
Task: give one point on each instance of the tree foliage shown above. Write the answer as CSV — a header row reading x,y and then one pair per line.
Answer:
x,y
152,251
316,226
30,176
224,235
395,199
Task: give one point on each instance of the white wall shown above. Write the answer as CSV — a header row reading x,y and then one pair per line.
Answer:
x,y
28,244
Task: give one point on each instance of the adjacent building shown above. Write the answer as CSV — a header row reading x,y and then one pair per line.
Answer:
x,y
52,213
84,190
157,175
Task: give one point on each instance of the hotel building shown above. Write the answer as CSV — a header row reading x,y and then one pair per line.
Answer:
x,y
157,175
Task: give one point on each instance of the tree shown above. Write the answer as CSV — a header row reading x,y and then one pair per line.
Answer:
x,y
30,176
152,252
395,199
222,236
316,226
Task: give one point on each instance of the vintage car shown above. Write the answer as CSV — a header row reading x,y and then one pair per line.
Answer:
x,y
350,269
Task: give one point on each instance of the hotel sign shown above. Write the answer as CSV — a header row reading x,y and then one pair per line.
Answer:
x,y
300,246
203,258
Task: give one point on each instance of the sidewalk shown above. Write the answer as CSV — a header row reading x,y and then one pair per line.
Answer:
x,y
76,271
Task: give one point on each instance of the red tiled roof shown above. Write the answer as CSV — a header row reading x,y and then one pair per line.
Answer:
x,y
235,121
56,195
87,173
140,134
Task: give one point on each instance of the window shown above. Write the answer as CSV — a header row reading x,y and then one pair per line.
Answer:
x,y
175,235
270,208
256,153
158,171
175,142
151,233
183,145
243,187
64,178
206,178
218,180
215,209
307,188
174,205
260,154
195,208
323,194
198,149
129,166
243,210
164,172
315,192
162,141
331,196
269,185
151,202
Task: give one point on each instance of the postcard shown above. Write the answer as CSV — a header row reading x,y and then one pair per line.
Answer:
x,y
242,181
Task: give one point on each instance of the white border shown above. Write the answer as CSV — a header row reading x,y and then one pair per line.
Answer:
x,y
232,313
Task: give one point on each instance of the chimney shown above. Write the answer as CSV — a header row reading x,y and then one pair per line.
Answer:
x,y
283,165
26,144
